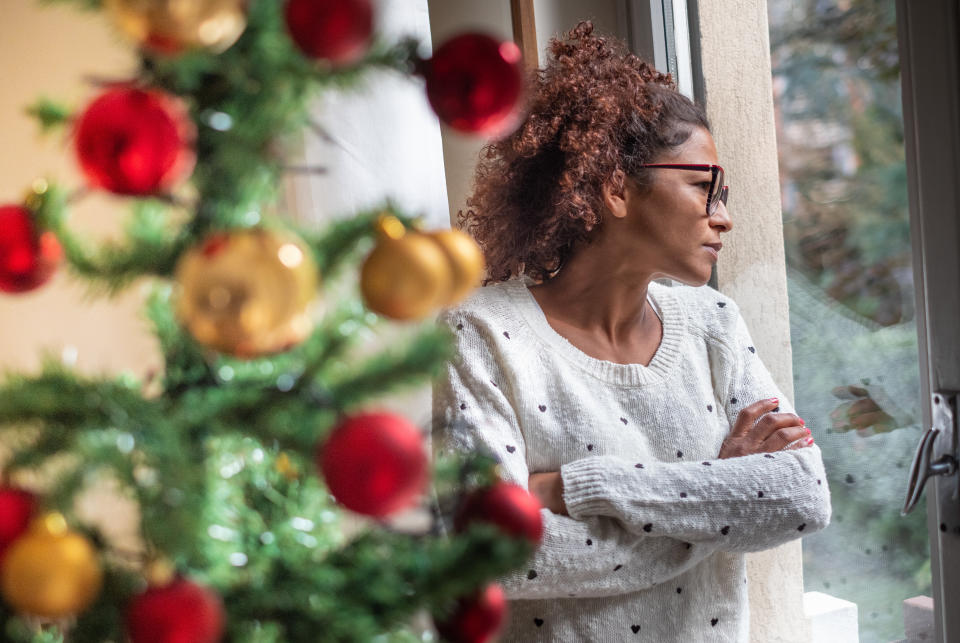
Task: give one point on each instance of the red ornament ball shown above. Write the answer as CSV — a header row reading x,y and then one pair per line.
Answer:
x,y
475,84
135,142
374,463
508,506
476,619
16,508
180,612
337,31
28,256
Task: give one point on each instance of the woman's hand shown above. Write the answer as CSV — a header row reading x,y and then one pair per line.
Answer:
x,y
548,489
759,429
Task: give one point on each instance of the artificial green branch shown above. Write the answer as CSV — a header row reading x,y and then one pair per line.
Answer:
x,y
49,113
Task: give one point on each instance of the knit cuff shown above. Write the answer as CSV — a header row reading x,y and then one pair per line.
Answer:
x,y
585,487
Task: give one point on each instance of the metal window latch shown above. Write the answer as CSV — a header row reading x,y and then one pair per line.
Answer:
x,y
943,434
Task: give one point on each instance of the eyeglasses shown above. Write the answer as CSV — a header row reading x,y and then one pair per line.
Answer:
x,y
718,191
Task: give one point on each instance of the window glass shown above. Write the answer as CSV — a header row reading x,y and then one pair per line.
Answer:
x,y
853,328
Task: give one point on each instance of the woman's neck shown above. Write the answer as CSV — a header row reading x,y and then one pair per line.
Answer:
x,y
597,293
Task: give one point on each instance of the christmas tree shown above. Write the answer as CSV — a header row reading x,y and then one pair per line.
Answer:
x,y
260,435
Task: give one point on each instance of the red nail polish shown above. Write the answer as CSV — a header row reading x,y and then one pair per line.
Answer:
x,y
803,422
807,430
809,441
773,400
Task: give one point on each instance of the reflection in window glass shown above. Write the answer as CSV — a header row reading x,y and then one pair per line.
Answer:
x,y
856,376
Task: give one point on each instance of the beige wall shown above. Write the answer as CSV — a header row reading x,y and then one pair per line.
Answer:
x,y
447,19
736,68
50,51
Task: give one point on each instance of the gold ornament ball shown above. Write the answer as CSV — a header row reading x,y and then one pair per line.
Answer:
x,y
466,261
172,26
50,571
407,275
247,293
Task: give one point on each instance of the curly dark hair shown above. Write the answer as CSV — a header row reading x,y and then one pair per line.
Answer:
x,y
593,109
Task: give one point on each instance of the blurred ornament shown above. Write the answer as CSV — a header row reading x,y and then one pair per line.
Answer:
x,y
28,255
475,84
374,463
477,618
407,275
176,611
50,571
247,292
16,510
510,507
337,31
466,261
172,26
135,142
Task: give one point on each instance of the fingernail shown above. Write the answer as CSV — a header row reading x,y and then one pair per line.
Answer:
x,y
773,400
809,441
807,430
802,421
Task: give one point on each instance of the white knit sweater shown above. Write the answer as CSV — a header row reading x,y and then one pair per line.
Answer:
x,y
653,548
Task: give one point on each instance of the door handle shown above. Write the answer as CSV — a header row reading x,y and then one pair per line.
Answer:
x,y
924,466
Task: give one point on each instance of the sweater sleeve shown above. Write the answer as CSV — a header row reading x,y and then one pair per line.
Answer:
x,y
740,504
592,556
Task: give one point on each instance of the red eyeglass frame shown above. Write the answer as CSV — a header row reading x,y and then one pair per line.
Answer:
x,y
716,176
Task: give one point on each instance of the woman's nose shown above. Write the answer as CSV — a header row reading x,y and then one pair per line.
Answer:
x,y
721,218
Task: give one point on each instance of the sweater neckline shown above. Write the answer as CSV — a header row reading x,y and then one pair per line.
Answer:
x,y
660,366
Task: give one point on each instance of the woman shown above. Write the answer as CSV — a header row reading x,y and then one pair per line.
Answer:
x,y
639,413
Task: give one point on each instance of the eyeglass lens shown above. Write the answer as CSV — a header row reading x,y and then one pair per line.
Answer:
x,y
718,192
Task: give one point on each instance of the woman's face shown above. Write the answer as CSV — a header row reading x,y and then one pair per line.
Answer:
x,y
669,227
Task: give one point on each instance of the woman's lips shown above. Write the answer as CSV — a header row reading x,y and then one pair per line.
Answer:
x,y
714,249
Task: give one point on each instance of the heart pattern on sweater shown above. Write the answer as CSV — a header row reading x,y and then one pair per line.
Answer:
x,y
538,622
635,628
511,448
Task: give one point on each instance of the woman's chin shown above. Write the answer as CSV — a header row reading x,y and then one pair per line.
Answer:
x,y
694,279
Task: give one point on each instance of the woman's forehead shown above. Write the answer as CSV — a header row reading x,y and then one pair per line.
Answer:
x,y
698,149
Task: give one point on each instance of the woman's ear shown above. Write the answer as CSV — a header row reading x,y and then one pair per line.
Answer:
x,y
614,194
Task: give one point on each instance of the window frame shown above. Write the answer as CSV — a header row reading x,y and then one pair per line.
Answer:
x,y
928,35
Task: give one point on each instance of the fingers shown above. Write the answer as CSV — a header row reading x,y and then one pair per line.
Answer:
x,y
794,437
750,414
770,423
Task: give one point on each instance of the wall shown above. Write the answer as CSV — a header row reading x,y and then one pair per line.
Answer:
x,y
52,50
384,138
736,67
447,19
553,17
